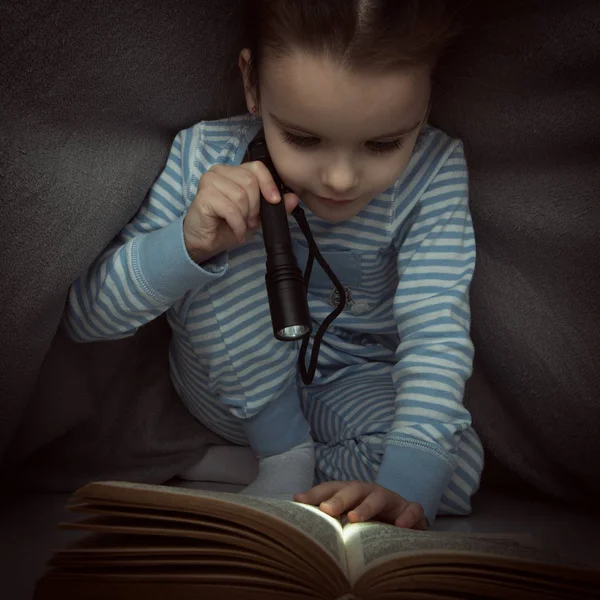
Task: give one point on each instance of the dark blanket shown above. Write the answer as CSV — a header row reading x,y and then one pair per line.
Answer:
x,y
527,104
92,94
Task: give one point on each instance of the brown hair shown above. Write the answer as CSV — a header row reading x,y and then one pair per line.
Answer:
x,y
378,35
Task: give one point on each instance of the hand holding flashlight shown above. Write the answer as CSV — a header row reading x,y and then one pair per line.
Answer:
x,y
225,211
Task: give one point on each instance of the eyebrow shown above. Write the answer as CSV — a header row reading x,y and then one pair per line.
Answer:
x,y
392,134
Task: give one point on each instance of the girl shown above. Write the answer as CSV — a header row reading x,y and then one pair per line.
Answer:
x,y
342,90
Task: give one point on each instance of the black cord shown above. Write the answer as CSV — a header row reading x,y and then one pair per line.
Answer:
x,y
308,375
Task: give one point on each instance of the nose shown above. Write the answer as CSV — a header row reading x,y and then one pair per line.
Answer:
x,y
339,176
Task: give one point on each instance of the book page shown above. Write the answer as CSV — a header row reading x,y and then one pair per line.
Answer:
x,y
318,526
369,544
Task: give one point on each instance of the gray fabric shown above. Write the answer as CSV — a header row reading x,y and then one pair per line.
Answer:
x,y
527,105
92,96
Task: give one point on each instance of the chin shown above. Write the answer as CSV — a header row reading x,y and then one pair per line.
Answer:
x,y
335,218
334,215
331,216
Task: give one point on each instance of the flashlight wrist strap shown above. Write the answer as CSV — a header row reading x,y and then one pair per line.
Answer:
x,y
314,253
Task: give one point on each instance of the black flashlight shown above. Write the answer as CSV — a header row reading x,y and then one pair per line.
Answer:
x,y
286,288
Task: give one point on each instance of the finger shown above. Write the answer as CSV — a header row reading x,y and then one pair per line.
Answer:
x,y
374,504
412,517
266,182
291,201
319,493
348,497
248,181
230,212
233,191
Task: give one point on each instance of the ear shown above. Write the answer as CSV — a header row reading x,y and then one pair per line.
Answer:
x,y
249,90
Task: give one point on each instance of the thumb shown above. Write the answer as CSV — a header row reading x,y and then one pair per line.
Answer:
x,y
291,201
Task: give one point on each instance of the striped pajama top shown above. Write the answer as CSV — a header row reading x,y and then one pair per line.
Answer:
x,y
406,260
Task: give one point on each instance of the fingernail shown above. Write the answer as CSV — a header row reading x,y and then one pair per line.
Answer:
x,y
274,193
329,505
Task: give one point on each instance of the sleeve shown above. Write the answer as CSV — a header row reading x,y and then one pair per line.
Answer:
x,y
147,267
434,358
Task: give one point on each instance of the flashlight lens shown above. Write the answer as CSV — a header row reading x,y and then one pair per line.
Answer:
x,y
295,332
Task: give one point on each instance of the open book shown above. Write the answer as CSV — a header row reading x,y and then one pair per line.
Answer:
x,y
155,543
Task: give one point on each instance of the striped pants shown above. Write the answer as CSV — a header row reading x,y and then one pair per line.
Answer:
x,y
350,418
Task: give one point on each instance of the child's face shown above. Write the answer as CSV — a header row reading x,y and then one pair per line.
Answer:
x,y
338,139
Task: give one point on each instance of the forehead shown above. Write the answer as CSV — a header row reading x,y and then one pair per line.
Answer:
x,y
323,96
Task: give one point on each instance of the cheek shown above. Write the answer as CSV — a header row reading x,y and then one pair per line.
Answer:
x,y
382,172
294,168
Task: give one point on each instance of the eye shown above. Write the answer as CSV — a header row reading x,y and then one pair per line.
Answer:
x,y
381,147
303,141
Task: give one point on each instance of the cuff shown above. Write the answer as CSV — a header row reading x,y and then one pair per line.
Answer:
x,y
163,267
417,474
281,425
